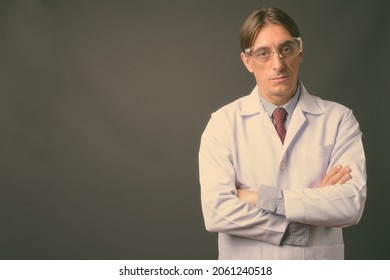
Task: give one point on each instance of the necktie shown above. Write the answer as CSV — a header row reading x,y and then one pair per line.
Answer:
x,y
279,116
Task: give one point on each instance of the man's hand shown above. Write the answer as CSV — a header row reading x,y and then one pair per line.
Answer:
x,y
248,196
338,175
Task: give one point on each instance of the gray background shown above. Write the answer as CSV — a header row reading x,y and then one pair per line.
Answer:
x,y
102,104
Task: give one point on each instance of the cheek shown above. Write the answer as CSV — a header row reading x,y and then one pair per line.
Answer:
x,y
260,73
294,68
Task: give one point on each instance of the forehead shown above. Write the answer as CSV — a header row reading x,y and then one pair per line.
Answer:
x,y
271,34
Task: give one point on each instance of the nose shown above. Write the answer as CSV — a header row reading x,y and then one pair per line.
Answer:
x,y
277,61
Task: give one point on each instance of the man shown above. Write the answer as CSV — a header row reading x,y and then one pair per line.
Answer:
x,y
280,183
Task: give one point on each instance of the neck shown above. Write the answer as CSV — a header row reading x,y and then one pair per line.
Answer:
x,y
279,98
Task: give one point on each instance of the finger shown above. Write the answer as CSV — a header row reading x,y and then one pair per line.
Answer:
x,y
327,180
332,173
346,176
339,177
344,179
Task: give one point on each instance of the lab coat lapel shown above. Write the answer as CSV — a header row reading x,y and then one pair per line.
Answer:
x,y
306,105
297,123
253,106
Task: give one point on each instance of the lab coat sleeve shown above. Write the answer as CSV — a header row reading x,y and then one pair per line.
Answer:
x,y
223,211
334,205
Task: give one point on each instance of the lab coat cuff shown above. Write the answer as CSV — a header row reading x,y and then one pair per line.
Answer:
x,y
271,199
296,235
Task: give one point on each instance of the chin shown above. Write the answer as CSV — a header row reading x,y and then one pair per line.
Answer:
x,y
281,91
284,89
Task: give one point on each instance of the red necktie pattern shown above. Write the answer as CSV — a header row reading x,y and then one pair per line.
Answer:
x,y
279,116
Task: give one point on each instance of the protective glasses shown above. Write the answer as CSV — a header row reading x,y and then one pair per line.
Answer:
x,y
288,49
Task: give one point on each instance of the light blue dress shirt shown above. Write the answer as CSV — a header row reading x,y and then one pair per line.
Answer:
x,y
270,197
290,106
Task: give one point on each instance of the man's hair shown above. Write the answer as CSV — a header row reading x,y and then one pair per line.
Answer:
x,y
260,18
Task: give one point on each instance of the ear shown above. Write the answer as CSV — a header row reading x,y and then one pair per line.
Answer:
x,y
301,55
247,62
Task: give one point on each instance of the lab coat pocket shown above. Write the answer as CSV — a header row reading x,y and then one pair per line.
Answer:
x,y
315,160
316,151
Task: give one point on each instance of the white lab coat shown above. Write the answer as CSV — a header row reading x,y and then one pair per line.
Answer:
x,y
240,148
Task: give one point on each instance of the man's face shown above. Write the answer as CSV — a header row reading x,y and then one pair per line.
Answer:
x,y
276,78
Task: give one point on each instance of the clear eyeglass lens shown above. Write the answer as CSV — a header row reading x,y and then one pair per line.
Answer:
x,y
286,50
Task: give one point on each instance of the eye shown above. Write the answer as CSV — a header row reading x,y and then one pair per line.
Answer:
x,y
262,53
286,50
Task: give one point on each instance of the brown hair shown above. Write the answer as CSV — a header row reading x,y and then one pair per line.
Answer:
x,y
261,17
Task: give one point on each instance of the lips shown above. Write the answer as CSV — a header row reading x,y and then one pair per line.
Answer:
x,y
279,78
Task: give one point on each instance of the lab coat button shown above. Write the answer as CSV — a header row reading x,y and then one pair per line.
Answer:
x,y
283,165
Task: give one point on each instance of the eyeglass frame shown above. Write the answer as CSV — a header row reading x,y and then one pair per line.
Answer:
x,y
247,51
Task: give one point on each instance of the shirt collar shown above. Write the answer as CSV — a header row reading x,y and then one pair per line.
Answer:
x,y
290,106
251,104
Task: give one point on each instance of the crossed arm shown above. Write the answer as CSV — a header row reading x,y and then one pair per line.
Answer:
x,y
337,175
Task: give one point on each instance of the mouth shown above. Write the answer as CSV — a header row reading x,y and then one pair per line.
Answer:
x,y
280,78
